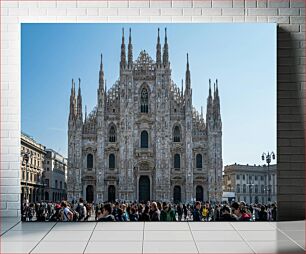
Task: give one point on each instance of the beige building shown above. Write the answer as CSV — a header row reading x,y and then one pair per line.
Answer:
x,y
32,163
252,184
55,176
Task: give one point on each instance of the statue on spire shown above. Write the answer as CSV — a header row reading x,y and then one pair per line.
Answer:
x,y
123,56
187,77
130,50
166,51
158,50
101,75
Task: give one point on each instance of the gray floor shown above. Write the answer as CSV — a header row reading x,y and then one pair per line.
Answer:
x,y
152,237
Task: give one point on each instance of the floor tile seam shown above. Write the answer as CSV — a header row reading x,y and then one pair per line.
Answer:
x,y
125,241
10,228
290,238
244,240
272,224
193,238
42,238
79,230
93,230
143,232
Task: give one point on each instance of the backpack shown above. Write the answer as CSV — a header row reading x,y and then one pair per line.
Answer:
x,y
80,210
75,215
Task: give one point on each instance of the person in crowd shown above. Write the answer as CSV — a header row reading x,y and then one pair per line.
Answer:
x,y
97,208
133,214
263,214
185,212
163,212
144,213
67,215
205,212
155,215
217,212
179,210
88,207
125,215
81,210
56,216
170,213
274,212
106,214
226,214
196,212
240,212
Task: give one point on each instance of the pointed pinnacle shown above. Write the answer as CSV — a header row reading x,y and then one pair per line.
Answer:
x,y
130,34
187,62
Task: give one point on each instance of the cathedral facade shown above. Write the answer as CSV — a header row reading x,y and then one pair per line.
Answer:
x,y
144,140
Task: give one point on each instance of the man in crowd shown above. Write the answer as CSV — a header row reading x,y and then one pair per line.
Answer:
x,y
197,211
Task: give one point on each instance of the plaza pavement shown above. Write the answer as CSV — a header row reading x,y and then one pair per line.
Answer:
x,y
152,237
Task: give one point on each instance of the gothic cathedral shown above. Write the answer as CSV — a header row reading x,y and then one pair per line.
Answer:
x,y
144,140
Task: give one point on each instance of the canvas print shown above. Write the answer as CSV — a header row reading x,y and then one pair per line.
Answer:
x,y
148,122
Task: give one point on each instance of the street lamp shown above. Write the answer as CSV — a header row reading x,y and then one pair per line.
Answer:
x,y
268,157
26,158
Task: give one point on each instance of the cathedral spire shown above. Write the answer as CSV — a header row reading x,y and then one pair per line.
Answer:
x,y
158,50
187,77
166,51
209,88
72,101
130,50
85,113
209,105
79,106
217,91
101,75
182,90
123,56
216,103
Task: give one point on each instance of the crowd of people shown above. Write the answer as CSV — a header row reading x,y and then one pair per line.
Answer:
x,y
149,211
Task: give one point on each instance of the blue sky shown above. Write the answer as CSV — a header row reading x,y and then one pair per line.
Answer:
x,y
241,56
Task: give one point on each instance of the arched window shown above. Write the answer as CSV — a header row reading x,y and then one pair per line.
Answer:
x,y
111,161
244,188
112,134
238,188
199,160
256,188
89,161
144,139
177,161
176,134
144,100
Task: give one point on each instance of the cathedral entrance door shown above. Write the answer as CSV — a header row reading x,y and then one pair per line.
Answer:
x,y
177,194
199,193
144,188
89,193
111,193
